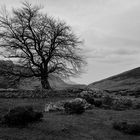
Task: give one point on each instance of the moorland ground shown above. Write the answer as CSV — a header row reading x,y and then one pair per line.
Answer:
x,y
95,124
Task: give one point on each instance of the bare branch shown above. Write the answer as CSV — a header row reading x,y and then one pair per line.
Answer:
x,y
39,43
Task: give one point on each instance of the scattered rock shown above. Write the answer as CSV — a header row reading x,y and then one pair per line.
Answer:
x,y
75,106
91,93
59,106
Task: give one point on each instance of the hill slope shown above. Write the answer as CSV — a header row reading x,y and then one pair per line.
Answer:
x,y
8,81
129,80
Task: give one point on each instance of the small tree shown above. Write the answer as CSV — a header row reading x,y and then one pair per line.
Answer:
x,y
39,44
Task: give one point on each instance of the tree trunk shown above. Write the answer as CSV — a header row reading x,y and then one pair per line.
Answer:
x,y
45,83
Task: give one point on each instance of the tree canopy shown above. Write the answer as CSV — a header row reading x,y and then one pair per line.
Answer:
x,y
39,43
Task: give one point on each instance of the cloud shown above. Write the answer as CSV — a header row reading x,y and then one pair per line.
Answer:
x,y
110,29
113,56
126,52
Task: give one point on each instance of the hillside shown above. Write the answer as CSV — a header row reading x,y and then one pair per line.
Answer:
x,y
9,81
126,81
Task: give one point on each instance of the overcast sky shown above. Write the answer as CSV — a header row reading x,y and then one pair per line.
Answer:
x,y
110,30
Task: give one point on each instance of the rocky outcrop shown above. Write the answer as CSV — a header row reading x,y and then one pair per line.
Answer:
x,y
53,107
59,106
90,95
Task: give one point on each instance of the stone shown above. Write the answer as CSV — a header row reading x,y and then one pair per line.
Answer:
x,y
54,106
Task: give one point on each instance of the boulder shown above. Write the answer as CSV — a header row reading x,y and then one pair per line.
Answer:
x,y
92,96
75,106
81,101
54,106
94,93
59,106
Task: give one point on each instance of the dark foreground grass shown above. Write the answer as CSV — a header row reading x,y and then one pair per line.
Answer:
x,y
94,124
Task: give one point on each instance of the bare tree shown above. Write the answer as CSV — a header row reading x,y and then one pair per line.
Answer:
x,y
40,44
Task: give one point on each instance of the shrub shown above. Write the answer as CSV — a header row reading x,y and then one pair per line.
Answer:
x,y
117,105
89,99
108,100
136,105
120,125
75,106
122,103
21,116
133,129
88,96
127,102
98,102
91,94
129,128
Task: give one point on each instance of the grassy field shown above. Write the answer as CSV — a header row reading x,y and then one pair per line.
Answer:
x,y
92,125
